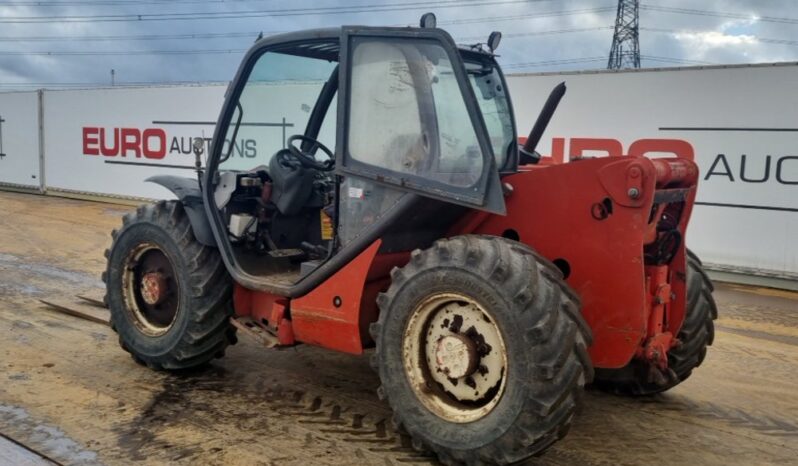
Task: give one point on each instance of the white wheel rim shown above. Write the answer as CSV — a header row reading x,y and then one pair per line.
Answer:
x,y
454,357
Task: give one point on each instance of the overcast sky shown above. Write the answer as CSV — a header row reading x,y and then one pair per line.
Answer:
x,y
539,35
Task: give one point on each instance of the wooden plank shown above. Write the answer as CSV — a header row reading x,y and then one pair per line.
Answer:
x,y
90,313
14,453
96,301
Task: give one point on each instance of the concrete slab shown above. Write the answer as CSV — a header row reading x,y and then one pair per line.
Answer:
x,y
69,392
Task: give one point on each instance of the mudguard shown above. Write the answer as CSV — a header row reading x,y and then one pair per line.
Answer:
x,y
188,193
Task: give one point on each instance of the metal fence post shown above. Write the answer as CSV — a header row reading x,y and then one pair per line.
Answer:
x,y
42,183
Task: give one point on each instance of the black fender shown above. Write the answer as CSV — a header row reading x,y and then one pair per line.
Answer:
x,y
188,193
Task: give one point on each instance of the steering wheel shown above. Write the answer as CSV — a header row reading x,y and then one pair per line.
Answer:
x,y
308,159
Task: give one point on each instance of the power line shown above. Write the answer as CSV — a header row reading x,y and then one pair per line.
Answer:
x,y
546,14
676,60
118,84
763,40
117,2
717,14
222,51
563,61
461,39
203,35
225,35
571,61
539,33
386,7
226,51
124,52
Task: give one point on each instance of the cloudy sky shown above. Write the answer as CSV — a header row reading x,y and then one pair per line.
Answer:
x,y
54,43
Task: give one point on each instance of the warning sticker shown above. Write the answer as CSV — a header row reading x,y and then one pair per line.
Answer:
x,y
326,226
356,193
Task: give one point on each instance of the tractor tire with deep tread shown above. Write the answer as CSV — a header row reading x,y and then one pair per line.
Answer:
x,y
545,336
200,328
696,334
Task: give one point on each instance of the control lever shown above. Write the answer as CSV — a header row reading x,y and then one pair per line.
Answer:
x,y
314,249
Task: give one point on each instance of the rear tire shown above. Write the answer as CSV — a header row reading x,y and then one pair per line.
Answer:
x,y
696,334
183,323
537,321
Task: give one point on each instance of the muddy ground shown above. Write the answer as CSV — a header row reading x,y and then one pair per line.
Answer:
x,y
70,395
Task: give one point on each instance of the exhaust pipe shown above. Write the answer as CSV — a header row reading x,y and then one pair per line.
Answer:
x,y
527,151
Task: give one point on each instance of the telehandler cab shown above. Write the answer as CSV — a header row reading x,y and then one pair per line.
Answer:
x,y
492,287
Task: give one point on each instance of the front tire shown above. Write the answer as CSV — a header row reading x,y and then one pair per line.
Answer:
x,y
500,321
170,297
697,333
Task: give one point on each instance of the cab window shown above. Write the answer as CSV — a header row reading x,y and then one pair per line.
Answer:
x,y
489,89
276,102
407,112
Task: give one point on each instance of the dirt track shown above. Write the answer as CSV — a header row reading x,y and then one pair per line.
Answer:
x,y
71,395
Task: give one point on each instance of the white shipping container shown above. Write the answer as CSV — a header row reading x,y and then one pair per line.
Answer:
x,y
742,122
107,141
19,139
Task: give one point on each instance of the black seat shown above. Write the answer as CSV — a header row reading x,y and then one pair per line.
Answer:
x,y
292,184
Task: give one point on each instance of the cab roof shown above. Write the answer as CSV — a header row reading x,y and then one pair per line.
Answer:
x,y
324,43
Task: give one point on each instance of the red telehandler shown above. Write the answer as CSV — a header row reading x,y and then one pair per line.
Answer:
x,y
492,288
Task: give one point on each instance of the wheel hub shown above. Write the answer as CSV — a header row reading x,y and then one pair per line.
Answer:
x,y
455,357
153,288
150,289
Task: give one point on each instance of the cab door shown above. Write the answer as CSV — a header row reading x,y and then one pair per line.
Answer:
x,y
408,117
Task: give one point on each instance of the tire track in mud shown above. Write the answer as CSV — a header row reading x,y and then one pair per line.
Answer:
x,y
734,417
758,315
762,335
738,304
297,419
763,357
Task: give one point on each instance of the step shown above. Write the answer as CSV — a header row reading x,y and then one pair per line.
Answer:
x,y
253,329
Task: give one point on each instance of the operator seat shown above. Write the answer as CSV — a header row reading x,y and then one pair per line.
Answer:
x,y
292,184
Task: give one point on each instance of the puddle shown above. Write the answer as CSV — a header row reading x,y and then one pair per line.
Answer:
x,y
7,288
13,262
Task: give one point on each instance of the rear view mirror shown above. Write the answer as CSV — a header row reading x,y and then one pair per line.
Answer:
x,y
198,145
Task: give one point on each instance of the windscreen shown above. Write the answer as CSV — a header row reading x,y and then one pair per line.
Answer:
x,y
276,103
490,91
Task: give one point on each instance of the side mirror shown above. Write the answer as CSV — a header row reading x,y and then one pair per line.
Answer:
x,y
198,145
493,40
428,21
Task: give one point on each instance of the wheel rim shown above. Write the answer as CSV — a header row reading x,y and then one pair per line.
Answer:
x,y
150,289
454,357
